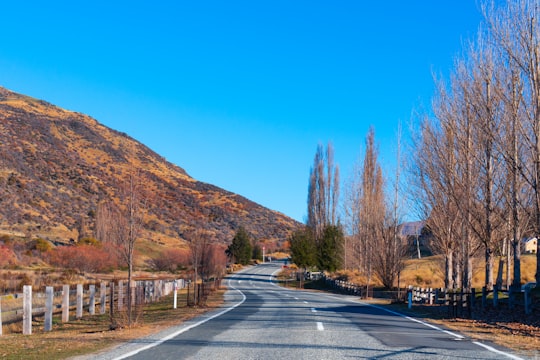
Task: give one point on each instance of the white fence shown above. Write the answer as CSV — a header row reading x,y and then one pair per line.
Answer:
x,y
107,296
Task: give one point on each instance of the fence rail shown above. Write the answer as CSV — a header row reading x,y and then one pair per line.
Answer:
x,y
107,296
463,303
457,302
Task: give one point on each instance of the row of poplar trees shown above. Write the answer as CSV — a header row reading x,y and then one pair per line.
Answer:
x,y
477,167
372,244
474,171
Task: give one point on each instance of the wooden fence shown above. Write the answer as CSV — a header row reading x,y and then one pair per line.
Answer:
x,y
458,303
462,303
109,296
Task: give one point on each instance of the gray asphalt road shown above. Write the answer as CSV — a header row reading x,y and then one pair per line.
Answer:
x,y
264,321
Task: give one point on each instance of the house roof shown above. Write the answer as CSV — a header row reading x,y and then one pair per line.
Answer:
x,y
413,228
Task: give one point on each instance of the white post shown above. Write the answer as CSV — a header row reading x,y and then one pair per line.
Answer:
x,y
263,254
79,310
155,292
27,310
103,297
133,292
175,294
49,293
65,303
92,304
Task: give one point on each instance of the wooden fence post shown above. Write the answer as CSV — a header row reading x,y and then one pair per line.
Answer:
x,y
0,316
65,303
49,293
92,303
133,292
120,295
27,310
103,297
79,308
526,299
111,300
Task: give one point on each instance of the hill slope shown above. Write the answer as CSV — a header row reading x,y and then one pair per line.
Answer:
x,y
56,165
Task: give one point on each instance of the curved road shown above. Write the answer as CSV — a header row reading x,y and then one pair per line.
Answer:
x,y
264,321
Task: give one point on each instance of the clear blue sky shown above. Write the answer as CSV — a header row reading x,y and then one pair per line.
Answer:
x,y
238,93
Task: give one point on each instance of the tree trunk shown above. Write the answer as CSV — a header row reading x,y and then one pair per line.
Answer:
x,y
448,269
489,269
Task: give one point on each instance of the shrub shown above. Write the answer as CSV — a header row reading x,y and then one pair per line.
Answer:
x,y
25,280
89,241
7,257
43,245
169,260
84,258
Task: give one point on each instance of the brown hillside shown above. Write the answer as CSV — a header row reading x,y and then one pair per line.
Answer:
x,y
55,165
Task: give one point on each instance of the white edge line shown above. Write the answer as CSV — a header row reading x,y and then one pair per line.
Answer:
x,y
487,347
458,336
170,336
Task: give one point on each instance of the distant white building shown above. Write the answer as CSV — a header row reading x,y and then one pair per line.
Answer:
x,y
530,245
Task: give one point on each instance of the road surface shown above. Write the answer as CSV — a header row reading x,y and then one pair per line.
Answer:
x,y
264,321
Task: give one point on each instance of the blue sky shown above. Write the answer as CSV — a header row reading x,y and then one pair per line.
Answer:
x,y
239,93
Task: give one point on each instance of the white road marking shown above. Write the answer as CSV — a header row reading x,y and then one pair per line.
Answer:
x,y
313,310
320,326
305,302
455,335
183,330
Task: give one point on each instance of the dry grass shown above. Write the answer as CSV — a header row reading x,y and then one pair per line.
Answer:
x,y
429,272
92,333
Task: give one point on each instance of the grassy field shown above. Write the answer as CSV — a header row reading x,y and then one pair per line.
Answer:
x,y
428,272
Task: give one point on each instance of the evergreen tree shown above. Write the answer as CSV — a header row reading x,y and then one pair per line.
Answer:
x,y
240,249
303,249
257,252
330,251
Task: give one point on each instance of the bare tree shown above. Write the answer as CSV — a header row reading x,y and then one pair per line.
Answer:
x,y
323,191
516,30
128,226
199,242
388,260
121,225
431,176
372,207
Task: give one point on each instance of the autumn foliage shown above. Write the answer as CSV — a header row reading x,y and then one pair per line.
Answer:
x,y
170,260
84,258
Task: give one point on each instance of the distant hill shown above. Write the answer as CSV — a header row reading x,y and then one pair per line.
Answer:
x,y
56,165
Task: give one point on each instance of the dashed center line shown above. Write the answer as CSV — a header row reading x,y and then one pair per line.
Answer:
x,y
320,326
313,310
